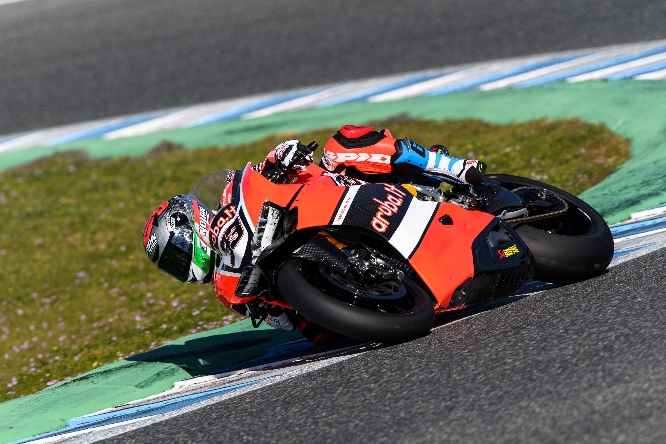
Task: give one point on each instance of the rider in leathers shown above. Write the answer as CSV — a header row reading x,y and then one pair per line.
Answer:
x,y
354,155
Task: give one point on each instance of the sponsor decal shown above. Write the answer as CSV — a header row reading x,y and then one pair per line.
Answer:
x,y
379,207
227,193
150,246
223,216
387,208
357,157
201,219
228,240
342,180
513,249
344,208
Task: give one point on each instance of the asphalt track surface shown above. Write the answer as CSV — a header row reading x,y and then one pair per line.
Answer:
x,y
580,363
67,61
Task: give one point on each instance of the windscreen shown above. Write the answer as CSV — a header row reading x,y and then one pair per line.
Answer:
x,y
208,189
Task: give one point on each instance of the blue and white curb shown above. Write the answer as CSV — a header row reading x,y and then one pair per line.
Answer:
x,y
640,61
194,393
644,233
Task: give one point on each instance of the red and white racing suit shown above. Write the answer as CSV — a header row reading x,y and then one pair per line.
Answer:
x,y
357,155
361,153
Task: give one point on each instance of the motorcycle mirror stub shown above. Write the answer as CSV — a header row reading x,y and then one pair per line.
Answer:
x,y
312,146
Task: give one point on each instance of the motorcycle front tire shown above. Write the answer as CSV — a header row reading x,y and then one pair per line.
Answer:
x,y
350,320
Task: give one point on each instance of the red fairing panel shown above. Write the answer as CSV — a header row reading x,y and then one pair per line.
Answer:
x,y
440,254
225,285
317,202
443,258
256,190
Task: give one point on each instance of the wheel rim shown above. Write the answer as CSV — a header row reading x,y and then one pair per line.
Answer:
x,y
384,297
575,222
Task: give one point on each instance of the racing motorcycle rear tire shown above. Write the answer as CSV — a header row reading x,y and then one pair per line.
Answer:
x,y
582,249
350,320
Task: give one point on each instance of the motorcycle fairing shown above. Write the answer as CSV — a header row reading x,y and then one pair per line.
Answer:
x,y
440,253
502,264
444,257
249,191
388,210
256,190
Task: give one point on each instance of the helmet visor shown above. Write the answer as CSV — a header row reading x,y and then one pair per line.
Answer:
x,y
177,256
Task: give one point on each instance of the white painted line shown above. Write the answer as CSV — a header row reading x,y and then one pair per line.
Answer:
x,y
9,2
258,369
68,436
637,253
603,73
603,54
655,75
327,94
638,235
307,101
429,85
179,118
560,67
42,137
648,214
462,75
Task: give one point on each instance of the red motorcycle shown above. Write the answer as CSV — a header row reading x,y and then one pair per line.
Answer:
x,y
378,261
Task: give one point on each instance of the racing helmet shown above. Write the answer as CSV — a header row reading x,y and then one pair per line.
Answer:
x,y
171,242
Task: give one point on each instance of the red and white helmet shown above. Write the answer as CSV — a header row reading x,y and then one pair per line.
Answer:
x,y
172,243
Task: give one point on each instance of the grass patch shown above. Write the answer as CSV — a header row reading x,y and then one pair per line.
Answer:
x,y
77,291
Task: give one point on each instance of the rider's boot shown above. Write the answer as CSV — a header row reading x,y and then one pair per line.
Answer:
x,y
470,171
278,319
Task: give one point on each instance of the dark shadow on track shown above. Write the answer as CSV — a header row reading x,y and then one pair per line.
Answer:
x,y
205,355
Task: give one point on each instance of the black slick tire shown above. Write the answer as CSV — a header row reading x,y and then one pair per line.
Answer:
x,y
579,252
350,320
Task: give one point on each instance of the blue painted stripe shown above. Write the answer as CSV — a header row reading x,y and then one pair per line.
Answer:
x,y
557,77
492,77
362,95
620,253
637,71
7,139
638,227
256,105
100,130
156,408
